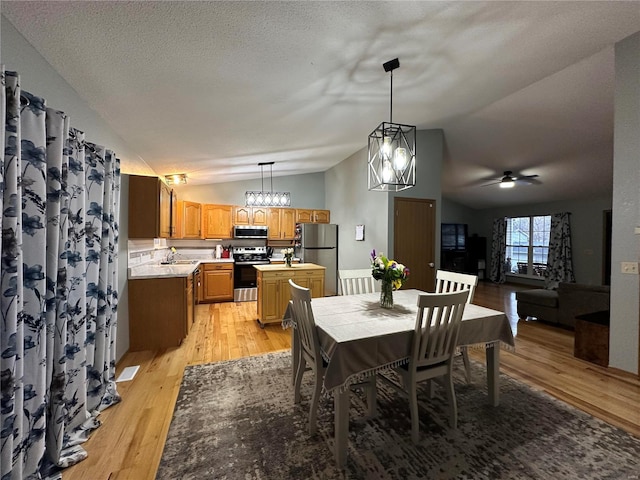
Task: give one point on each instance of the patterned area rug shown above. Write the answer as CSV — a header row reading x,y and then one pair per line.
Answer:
x,y
237,420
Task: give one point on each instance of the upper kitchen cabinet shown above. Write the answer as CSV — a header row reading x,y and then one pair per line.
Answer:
x,y
152,208
281,223
312,216
250,216
189,220
217,220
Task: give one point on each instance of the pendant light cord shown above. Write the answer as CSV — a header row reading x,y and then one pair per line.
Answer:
x,y
391,100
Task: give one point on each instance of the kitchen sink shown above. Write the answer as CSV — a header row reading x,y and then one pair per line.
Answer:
x,y
180,262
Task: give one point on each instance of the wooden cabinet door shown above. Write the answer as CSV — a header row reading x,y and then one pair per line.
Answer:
x,y
165,210
273,223
190,305
316,284
191,220
259,216
242,216
304,216
271,308
217,282
287,223
321,216
149,207
217,221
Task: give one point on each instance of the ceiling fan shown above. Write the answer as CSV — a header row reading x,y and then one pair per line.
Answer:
x,y
509,180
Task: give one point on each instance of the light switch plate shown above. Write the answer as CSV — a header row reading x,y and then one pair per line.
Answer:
x,y
629,267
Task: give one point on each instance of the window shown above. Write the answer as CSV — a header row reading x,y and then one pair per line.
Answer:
x,y
528,245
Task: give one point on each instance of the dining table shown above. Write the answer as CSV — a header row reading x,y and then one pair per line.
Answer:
x,y
358,338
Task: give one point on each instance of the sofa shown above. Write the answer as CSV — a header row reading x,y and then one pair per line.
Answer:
x,y
561,306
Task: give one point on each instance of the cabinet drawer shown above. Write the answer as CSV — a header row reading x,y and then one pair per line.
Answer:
x,y
217,266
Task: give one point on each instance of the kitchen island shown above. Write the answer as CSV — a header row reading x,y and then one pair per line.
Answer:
x,y
274,291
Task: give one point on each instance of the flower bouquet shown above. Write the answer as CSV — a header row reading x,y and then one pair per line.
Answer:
x,y
392,274
288,255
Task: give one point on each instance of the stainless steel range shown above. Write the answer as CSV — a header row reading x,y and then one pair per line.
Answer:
x,y
244,275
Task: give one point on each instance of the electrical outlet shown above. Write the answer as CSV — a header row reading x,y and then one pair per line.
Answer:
x,y
629,267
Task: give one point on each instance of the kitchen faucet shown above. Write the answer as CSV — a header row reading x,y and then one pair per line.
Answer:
x,y
171,256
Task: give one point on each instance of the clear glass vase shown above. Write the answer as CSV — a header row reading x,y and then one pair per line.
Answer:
x,y
386,295
287,261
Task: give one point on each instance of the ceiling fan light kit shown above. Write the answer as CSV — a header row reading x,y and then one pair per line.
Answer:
x,y
269,198
392,150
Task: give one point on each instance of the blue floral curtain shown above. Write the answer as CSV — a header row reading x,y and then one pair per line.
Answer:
x,y
498,250
60,201
560,260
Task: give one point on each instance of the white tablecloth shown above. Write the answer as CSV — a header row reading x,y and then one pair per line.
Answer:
x,y
358,337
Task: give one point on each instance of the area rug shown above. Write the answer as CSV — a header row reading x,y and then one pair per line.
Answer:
x,y
237,420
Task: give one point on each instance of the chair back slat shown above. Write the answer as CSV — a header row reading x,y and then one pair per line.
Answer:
x,y
353,282
454,282
437,326
304,322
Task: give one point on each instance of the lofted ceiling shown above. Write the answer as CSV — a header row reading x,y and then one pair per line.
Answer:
x,y
214,88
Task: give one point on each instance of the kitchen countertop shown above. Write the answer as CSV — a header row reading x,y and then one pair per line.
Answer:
x,y
282,267
155,270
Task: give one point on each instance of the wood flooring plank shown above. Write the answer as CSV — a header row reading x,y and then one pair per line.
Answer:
x,y
130,442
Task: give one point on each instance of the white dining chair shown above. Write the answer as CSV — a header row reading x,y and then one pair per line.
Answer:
x,y
433,347
309,355
353,282
454,282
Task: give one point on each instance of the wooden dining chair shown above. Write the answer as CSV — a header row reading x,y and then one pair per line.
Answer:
x,y
353,282
454,282
433,347
309,355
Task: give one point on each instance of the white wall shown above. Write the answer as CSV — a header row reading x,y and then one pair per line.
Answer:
x,y
624,335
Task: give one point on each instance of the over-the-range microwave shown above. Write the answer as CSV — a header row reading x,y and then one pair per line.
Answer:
x,y
249,231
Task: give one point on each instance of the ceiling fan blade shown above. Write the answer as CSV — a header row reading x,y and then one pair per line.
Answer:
x,y
528,179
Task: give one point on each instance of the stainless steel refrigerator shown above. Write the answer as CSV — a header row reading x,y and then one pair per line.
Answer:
x,y
319,245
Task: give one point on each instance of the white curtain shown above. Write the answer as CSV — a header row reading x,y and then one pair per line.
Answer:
x,y
60,202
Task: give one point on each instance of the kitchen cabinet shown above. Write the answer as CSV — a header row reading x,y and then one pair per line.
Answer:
x,y
250,216
189,220
274,291
161,312
152,208
217,220
281,223
217,282
304,215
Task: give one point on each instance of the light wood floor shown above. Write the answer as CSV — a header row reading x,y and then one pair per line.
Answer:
x,y
129,443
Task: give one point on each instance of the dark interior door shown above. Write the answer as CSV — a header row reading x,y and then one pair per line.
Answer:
x,y
415,240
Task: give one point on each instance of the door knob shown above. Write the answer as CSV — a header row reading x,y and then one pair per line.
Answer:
x,y
431,264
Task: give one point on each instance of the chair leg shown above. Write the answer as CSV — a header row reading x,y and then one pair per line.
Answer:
x,y
413,407
467,363
302,365
313,412
451,397
371,396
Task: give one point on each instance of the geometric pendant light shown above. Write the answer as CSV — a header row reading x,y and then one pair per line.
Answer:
x,y
392,150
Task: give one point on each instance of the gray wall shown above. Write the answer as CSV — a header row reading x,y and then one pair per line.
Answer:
x,y
307,191
624,335
586,231
39,78
351,204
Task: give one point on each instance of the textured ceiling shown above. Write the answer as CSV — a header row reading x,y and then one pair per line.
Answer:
x,y
213,88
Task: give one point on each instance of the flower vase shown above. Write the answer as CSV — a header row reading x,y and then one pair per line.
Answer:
x,y
386,294
287,261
